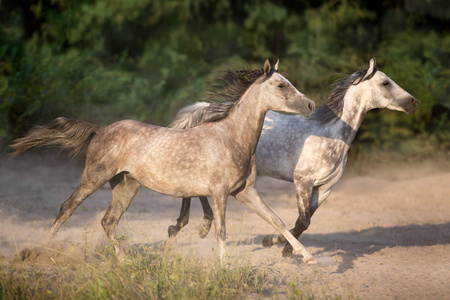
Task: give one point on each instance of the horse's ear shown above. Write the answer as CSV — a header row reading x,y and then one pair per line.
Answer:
x,y
276,65
372,64
266,67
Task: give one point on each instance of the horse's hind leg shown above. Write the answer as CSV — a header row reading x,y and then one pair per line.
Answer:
x,y
124,189
208,217
87,186
182,220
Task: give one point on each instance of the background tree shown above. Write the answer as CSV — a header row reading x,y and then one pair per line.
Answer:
x,y
102,61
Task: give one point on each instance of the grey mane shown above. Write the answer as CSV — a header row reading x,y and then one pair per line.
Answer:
x,y
228,89
192,115
334,105
235,83
225,93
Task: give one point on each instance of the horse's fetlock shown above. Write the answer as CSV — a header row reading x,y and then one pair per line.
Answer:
x,y
208,217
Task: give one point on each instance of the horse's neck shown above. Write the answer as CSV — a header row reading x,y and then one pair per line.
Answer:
x,y
352,116
245,122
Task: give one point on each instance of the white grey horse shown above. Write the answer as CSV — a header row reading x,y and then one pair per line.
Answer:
x,y
216,158
311,152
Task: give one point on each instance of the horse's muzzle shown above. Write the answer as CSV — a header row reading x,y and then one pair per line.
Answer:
x,y
412,106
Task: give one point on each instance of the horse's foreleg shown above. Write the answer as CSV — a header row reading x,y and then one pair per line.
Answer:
x,y
219,206
208,217
296,232
317,197
250,197
182,220
304,192
123,189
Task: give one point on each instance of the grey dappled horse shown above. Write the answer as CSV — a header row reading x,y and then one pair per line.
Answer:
x,y
311,152
216,158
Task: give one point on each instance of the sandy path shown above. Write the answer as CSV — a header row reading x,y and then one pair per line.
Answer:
x,y
373,238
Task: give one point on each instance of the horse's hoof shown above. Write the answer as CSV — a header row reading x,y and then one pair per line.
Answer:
x,y
51,234
287,253
268,241
203,230
172,230
310,261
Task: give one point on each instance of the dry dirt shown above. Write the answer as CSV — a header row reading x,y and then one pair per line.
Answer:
x,y
385,235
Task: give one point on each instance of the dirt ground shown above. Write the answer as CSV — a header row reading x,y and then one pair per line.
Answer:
x,y
384,235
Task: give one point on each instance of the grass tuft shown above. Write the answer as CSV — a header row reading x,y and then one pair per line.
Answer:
x,y
148,274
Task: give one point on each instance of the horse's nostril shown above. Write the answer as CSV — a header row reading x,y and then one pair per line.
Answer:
x,y
413,101
310,106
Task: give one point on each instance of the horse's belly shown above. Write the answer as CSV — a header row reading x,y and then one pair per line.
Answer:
x,y
175,187
276,168
276,173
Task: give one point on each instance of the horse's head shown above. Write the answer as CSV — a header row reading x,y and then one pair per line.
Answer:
x,y
280,95
382,92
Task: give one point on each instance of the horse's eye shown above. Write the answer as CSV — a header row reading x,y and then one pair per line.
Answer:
x,y
386,82
281,85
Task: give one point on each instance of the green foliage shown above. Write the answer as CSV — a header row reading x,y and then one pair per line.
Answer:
x,y
102,61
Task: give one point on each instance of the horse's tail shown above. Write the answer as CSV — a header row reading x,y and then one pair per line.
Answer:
x,y
67,134
191,116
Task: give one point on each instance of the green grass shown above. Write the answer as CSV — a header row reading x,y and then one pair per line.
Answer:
x,y
149,274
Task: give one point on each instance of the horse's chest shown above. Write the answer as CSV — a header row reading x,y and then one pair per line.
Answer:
x,y
322,160
229,169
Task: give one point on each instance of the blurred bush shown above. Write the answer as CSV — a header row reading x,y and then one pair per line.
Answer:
x,y
102,61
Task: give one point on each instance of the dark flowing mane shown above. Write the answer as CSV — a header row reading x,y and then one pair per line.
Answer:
x,y
229,87
334,105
